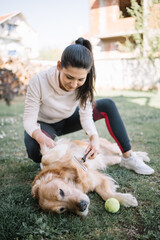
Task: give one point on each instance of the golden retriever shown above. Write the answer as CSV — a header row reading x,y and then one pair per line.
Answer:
x,y
63,184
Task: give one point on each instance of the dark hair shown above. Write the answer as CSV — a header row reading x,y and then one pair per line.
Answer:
x,y
80,55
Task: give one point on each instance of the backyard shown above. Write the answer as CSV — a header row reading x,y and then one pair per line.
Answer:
x,y
22,218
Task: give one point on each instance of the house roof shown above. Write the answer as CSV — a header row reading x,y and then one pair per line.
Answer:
x,y
6,17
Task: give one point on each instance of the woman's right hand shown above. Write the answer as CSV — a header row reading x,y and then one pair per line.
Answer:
x,y
43,139
47,141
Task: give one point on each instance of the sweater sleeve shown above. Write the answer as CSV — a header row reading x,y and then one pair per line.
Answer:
x,y
86,118
32,104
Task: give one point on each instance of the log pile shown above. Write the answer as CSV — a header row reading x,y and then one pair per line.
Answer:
x,y
15,75
9,85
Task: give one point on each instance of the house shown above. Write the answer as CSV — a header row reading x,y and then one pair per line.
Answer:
x,y
110,24
118,65
17,38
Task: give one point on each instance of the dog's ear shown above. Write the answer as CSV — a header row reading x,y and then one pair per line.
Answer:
x,y
35,189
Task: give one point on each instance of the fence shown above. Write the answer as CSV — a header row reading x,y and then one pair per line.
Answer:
x,y
127,74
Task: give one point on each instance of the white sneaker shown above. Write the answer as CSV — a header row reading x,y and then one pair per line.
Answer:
x,y
135,163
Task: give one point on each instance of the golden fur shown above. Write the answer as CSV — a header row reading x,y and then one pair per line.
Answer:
x,y
63,184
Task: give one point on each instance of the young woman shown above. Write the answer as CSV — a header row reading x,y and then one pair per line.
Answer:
x,y
61,100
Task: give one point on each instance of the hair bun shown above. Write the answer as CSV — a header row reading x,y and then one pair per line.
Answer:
x,y
84,42
80,41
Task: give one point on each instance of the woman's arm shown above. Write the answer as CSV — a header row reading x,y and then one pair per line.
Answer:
x,y
86,118
93,147
42,139
32,105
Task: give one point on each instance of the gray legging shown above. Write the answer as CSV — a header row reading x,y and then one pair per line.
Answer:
x,y
104,108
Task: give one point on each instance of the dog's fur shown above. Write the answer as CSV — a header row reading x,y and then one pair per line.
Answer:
x,y
63,184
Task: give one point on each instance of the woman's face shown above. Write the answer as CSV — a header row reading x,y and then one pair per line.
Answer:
x,y
71,78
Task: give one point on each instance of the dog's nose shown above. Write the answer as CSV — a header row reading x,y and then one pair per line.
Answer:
x,y
83,205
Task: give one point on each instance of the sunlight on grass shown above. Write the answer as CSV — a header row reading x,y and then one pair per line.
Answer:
x,y
139,101
153,101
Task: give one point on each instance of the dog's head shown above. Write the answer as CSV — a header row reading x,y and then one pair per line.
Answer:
x,y
58,186
58,196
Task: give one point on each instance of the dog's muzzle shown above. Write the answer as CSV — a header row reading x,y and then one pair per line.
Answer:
x,y
83,205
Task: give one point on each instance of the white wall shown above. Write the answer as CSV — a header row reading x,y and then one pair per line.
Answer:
x,y
127,74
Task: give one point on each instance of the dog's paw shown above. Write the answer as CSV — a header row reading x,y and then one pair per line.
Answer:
x,y
126,199
143,156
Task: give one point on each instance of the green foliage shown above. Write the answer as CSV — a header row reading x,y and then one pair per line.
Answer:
x,y
155,1
153,40
128,46
136,11
20,215
121,14
154,43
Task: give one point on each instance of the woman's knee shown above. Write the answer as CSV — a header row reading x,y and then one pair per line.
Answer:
x,y
32,148
106,105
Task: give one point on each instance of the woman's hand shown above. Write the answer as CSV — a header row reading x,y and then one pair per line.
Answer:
x,y
93,147
46,141
43,140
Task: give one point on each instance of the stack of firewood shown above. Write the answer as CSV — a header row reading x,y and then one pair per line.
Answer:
x,y
9,85
15,75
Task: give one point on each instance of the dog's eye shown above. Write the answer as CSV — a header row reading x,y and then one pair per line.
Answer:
x,y
61,209
61,193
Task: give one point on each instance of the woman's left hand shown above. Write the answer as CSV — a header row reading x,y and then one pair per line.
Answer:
x,y
93,147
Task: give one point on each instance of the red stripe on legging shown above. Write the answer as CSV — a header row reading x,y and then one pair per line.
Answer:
x,y
110,130
46,133
96,114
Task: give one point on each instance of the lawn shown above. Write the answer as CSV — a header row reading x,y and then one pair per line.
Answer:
x,y
20,215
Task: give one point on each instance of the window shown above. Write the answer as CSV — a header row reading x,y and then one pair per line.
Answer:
x,y
12,52
11,27
123,4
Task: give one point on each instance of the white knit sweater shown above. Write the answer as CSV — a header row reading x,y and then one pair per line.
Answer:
x,y
47,102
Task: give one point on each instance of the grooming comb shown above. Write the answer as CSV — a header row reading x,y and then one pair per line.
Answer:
x,y
80,163
84,157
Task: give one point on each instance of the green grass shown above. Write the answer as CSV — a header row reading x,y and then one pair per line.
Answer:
x,y
20,215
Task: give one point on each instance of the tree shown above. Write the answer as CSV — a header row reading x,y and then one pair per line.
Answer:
x,y
147,26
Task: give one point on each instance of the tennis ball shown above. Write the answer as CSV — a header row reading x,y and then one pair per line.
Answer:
x,y
112,205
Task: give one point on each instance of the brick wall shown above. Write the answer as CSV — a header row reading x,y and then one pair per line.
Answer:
x,y
154,17
106,13
94,17
107,26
